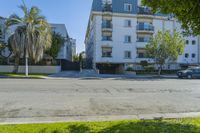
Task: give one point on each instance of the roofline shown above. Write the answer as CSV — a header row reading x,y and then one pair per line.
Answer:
x,y
92,13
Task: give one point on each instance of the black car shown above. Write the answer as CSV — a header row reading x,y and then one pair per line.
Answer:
x,y
189,73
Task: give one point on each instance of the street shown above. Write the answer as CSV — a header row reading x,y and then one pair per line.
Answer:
x,y
29,98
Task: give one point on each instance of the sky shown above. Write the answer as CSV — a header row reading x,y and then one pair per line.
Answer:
x,y
73,13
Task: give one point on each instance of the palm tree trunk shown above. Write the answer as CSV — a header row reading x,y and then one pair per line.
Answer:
x,y
159,70
16,67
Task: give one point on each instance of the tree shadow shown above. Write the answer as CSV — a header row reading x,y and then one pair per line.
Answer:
x,y
152,127
78,129
144,126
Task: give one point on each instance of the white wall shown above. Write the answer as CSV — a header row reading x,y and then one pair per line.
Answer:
x,y
32,69
118,45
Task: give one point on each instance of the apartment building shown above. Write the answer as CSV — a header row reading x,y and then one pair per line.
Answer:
x,y
68,50
118,31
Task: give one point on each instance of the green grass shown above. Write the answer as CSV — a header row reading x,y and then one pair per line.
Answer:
x,y
22,75
190,125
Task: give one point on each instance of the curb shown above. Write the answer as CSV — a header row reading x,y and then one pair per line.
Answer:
x,y
39,120
7,77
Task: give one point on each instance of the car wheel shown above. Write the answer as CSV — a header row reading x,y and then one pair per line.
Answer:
x,y
189,76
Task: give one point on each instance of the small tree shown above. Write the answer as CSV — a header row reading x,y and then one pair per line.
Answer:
x,y
144,63
164,47
57,43
76,58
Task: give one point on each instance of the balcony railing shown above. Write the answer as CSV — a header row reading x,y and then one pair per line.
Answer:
x,y
143,39
144,11
107,8
107,25
142,27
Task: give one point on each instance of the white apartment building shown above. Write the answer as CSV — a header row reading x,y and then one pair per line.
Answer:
x,y
68,50
118,31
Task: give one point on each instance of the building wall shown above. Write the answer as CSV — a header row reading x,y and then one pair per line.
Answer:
x,y
119,46
69,46
159,22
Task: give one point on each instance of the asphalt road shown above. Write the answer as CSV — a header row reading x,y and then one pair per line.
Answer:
x,y
25,98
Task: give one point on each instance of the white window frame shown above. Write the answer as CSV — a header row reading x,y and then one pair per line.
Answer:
x,y
128,7
126,53
126,23
126,39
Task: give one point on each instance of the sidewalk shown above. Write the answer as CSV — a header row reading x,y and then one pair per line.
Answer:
x,y
74,74
37,120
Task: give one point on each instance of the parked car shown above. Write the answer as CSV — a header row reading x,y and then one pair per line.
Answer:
x,y
189,73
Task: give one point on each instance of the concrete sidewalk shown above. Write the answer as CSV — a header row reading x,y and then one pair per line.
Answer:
x,y
76,74
37,120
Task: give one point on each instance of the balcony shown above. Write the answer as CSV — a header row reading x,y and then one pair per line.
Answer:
x,y
144,28
141,44
106,38
107,10
107,27
149,60
144,11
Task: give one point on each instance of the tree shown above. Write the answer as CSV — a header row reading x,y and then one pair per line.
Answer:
x,y
31,37
57,43
76,58
165,47
144,63
186,11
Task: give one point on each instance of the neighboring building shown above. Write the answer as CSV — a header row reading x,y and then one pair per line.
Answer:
x,y
69,48
118,31
73,45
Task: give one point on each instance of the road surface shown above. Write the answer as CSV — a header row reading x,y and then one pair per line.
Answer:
x,y
42,98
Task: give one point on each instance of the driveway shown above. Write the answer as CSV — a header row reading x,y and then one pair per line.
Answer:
x,y
23,99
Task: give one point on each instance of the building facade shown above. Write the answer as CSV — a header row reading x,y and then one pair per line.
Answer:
x,y
118,31
68,50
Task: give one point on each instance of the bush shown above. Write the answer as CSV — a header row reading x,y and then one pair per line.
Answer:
x,y
129,69
3,61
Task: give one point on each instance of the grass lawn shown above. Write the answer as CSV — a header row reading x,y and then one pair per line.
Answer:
x,y
190,125
22,75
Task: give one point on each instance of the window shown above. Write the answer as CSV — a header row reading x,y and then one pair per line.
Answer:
x,y
106,38
193,42
193,55
128,7
127,23
140,55
127,39
106,52
186,55
187,42
127,54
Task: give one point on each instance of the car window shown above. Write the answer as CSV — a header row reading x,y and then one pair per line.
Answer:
x,y
195,70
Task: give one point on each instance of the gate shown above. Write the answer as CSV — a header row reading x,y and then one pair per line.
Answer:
x,y
70,66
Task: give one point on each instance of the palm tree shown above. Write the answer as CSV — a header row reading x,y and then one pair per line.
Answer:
x,y
31,37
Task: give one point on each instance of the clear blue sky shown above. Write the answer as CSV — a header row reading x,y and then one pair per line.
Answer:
x,y
73,13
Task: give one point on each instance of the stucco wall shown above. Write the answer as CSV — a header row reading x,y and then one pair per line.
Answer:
x,y
33,69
